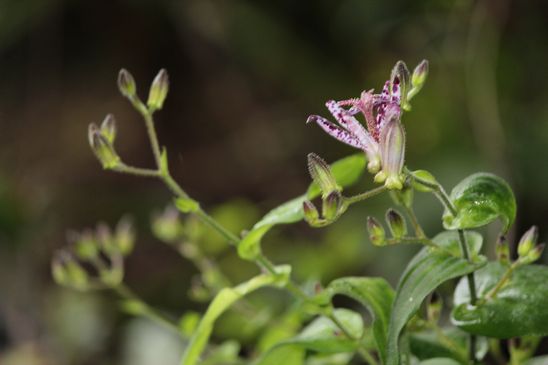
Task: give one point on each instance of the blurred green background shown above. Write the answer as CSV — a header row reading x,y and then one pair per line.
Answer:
x,y
244,77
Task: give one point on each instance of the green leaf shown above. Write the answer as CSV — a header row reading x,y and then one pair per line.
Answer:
x,y
290,355
186,205
426,271
480,199
440,361
373,293
222,301
519,309
289,212
250,246
346,171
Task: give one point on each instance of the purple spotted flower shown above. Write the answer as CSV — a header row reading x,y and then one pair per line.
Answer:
x,y
383,138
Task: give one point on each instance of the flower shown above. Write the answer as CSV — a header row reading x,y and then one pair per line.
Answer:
x,y
383,141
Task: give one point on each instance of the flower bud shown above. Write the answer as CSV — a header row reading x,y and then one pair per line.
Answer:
x,y
502,250
321,174
166,226
311,214
399,82
376,232
58,270
158,90
76,276
103,150
396,223
527,242
392,151
108,128
85,246
536,253
331,205
126,84
124,237
425,176
106,240
418,78
433,309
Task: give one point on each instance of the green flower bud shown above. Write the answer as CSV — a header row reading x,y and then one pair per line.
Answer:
x,y
124,237
535,253
85,246
418,78
106,239
527,242
433,309
102,148
399,81
321,174
311,214
166,226
77,277
376,232
58,270
331,205
158,90
108,128
396,223
126,84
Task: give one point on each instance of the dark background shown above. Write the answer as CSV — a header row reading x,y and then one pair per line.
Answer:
x,y
244,77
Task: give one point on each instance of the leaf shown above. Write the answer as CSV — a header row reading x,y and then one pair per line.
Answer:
x,y
346,171
289,212
373,293
290,355
440,361
250,246
222,301
480,199
519,309
426,271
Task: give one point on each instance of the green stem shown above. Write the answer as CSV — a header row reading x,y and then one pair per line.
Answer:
x,y
365,195
466,255
419,232
147,311
125,169
503,280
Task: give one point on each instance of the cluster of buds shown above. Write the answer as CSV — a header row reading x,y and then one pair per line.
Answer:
x,y
101,251
333,204
396,224
528,249
383,141
167,226
101,138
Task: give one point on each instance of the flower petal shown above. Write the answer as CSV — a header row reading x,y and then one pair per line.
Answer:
x,y
347,121
335,131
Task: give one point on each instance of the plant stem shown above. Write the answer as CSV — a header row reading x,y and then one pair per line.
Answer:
x,y
466,255
366,195
503,280
125,169
419,232
146,310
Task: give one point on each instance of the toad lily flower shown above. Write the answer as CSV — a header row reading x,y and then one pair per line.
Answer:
x,y
383,141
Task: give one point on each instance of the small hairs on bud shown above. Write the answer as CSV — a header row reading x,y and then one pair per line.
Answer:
x,y
158,91
321,174
376,232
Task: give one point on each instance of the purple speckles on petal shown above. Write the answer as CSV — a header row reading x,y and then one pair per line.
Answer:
x,y
336,132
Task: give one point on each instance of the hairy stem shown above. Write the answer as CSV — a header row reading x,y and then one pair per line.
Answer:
x,y
366,195
419,232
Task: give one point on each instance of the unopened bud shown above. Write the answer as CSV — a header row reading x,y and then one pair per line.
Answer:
x,y
418,78
106,240
399,82
502,250
527,241
533,255
396,223
102,148
166,226
108,128
433,309
124,237
126,84
392,151
77,277
311,214
85,246
158,90
331,205
321,174
58,270
376,232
